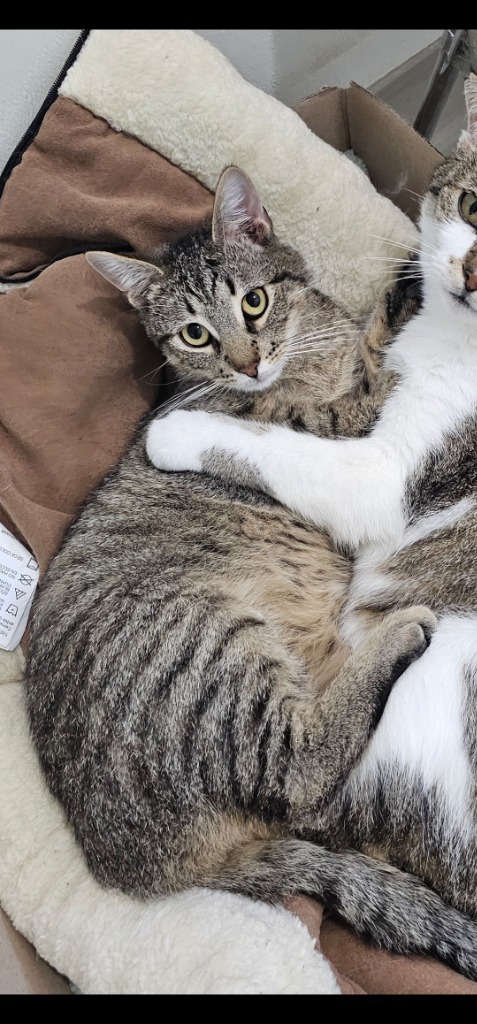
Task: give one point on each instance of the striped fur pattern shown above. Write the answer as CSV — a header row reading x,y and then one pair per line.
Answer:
x,y
193,706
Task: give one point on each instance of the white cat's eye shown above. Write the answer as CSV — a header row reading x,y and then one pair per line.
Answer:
x,y
195,334
468,207
254,303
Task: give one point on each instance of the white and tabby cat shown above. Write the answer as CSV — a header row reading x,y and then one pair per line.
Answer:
x,y
403,500
180,641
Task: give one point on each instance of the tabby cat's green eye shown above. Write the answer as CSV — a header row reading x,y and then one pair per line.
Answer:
x,y
195,334
254,303
468,207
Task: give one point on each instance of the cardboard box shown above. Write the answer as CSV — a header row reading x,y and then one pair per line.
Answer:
x,y
400,163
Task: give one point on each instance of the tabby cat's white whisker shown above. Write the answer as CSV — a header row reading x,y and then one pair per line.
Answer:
x,y
315,339
418,195
150,373
309,347
157,369
326,327
333,332
184,397
334,324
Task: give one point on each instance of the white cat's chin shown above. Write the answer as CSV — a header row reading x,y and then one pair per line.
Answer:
x,y
443,293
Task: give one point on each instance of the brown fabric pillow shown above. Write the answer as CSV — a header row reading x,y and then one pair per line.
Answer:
x,y
76,367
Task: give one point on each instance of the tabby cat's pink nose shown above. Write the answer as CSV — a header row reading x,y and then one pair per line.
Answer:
x,y
251,369
470,281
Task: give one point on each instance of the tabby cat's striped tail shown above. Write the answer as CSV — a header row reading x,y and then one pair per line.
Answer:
x,y
393,909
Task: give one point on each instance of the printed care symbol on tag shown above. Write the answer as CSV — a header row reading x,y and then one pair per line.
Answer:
x,y
19,593
26,580
12,609
32,564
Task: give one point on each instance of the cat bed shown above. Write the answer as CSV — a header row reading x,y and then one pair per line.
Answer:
x,y
125,154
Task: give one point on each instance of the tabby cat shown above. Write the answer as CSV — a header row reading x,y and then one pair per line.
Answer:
x,y
403,500
180,641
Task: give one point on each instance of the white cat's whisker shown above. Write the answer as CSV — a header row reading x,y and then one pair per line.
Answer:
x,y
394,241
408,248
390,259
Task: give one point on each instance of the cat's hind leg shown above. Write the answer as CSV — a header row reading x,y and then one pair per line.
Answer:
x,y
328,732
414,790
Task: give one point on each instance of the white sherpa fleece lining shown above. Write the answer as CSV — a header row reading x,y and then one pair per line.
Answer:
x,y
200,942
179,95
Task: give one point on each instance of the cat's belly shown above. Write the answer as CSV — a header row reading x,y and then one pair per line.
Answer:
x,y
291,570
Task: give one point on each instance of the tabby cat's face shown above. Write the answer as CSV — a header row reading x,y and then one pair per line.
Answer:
x,y
229,313
225,304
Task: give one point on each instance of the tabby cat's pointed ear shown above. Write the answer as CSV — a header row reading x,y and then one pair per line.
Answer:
x,y
238,209
133,277
468,138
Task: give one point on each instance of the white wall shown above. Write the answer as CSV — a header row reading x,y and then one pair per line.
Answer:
x,y
288,63
293,63
308,60
30,60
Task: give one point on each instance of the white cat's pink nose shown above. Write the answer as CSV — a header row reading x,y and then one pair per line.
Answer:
x,y
470,281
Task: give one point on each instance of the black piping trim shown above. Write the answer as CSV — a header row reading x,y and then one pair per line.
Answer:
x,y
35,125
76,250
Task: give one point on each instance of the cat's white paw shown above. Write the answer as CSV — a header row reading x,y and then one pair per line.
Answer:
x,y
177,442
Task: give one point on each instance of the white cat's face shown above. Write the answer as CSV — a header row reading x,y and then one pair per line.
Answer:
x,y
449,249
449,221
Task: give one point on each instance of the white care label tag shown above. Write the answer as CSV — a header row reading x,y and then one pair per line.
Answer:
x,y
18,579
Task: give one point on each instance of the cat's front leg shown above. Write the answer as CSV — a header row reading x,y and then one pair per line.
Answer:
x,y
177,442
352,488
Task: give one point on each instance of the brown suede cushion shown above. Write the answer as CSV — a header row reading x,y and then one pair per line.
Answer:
x,y
77,372
76,368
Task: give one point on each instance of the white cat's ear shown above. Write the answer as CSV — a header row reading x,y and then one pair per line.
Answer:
x,y
238,209
133,277
468,138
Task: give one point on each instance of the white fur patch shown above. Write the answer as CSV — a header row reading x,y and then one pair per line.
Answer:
x,y
421,730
